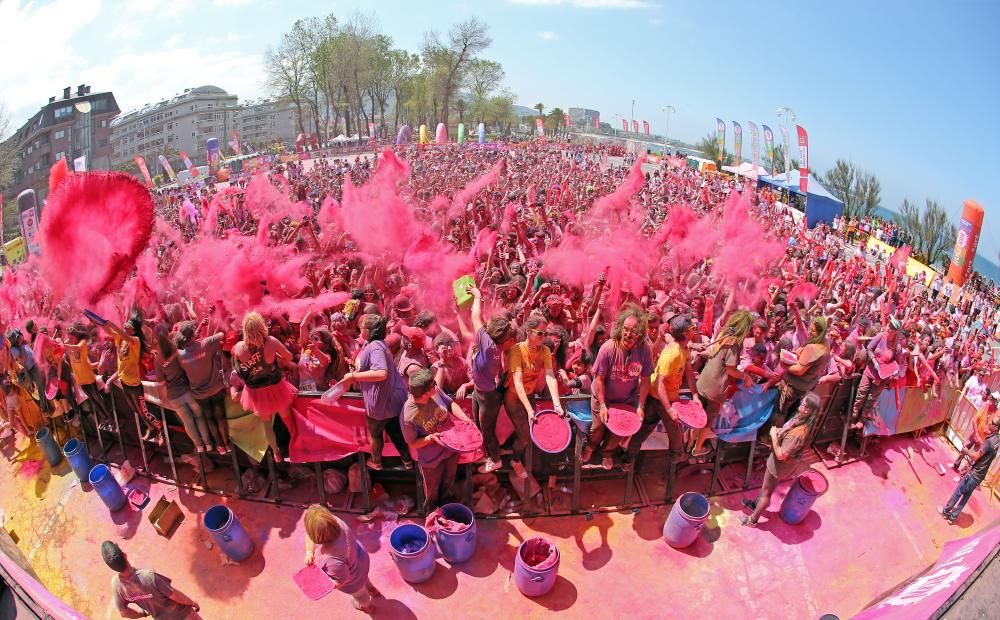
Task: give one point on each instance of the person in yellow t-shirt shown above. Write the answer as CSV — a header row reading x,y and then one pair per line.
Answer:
x,y
530,366
672,368
78,350
129,343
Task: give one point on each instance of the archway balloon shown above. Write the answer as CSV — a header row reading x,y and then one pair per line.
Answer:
x,y
441,136
424,139
461,133
482,133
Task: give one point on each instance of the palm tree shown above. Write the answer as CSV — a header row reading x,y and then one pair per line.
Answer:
x,y
540,108
709,145
556,115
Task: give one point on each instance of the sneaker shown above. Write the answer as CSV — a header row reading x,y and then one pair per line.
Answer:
x,y
373,465
489,466
607,463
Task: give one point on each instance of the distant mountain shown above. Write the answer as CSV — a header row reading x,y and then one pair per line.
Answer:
x,y
520,110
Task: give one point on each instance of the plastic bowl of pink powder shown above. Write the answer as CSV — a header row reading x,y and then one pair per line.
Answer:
x,y
551,432
623,421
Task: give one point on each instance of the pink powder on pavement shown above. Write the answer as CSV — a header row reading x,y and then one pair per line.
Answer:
x,y
95,226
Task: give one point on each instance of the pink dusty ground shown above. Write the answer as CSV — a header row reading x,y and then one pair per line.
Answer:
x,y
875,527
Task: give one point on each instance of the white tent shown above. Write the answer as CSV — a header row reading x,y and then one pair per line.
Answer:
x,y
745,169
340,138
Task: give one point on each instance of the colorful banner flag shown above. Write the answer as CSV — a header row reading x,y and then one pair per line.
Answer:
x,y
139,161
645,127
624,125
769,146
167,168
635,126
738,143
742,415
190,166
80,164
720,135
235,144
28,219
214,154
597,122
540,127
788,154
754,148
1,219
803,159
371,133
567,120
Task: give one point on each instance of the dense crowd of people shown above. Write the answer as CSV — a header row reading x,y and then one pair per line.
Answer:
x,y
583,276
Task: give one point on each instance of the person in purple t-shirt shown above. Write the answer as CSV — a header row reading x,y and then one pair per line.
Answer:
x,y
383,390
493,340
427,412
621,376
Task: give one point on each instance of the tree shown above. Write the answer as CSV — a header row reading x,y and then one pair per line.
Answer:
x,y
484,78
540,108
451,58
709,145
460,108
929,231
8,149
556,119
859,190
287,67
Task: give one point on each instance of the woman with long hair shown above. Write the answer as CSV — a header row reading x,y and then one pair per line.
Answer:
x,y
175,391
201,360
317,356
131,345
265,390
812,360
718,378
331,546
787,444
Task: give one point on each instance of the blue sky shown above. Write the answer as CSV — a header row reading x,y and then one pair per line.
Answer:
x,y
907,90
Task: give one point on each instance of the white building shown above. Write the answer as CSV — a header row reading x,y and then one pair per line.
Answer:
x,y
265,122
183,123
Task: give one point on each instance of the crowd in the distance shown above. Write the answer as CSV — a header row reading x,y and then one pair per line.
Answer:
x,y
526,333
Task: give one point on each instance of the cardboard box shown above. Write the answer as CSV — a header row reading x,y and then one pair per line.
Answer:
x,y
166,516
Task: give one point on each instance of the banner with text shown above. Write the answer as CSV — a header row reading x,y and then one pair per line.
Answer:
x,y
754,148
769,146
720,135
139,161
803,159
738,143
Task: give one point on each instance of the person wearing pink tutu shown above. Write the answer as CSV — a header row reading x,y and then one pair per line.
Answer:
x,y
265,389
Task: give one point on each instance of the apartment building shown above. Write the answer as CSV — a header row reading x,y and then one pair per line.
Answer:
x,y
76,124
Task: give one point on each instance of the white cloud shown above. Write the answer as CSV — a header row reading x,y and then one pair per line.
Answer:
x,y
232,37
589,4
548,35
40,61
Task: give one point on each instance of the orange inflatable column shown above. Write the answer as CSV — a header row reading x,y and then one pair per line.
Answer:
x,y
966,242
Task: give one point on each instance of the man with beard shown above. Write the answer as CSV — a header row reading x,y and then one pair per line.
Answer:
x,y
621,376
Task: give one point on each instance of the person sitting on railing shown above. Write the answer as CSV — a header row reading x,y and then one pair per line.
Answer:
x,y
175,391
802,377
202,362
621,376
672,368
427,412
720,375
79,358
886,362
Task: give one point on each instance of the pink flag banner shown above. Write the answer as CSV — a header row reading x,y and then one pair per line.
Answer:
x,y
139,161
803,159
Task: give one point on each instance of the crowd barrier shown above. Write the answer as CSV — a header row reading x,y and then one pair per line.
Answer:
x,y
335,437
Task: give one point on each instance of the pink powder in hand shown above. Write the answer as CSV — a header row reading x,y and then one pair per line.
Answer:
x,y
551,432
462,437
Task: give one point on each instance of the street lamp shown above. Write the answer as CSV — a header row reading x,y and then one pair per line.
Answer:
x,y
668,109
784,112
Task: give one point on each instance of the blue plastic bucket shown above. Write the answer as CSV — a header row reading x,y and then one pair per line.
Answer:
x,y
227,532
107,487
801,496
579,411
76,453
457,547
530,580
410,548
49,446
685,520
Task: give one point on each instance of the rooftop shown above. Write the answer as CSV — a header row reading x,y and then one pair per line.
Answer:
x,y
189,93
